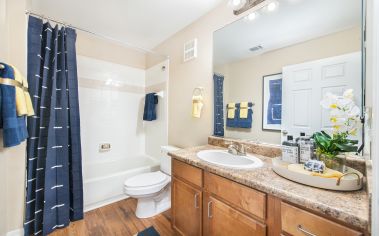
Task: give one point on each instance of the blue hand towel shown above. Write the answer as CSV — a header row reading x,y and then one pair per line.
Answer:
x,y
14,127
149,113
238,122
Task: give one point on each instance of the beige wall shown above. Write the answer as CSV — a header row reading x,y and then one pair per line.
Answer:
x,y
91,46
184,130
3,159
12,159
243,79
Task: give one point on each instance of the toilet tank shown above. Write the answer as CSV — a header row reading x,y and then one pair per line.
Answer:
x,y
166,159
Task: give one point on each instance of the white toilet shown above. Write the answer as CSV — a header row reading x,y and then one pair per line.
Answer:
x,y
153,190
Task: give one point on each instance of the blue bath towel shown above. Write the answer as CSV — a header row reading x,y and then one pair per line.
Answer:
x,y
238,122
149,113
14,127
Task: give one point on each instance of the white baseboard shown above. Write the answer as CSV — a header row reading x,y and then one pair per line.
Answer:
x,y
108,201
17,232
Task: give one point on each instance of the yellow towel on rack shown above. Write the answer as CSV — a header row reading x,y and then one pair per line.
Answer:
x,y
243,110
197,105
231,110
24,105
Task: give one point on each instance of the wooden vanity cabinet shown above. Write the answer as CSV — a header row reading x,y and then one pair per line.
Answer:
x,y
186,199
207,204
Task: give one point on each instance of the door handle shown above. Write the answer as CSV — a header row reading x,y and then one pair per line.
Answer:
x,y
209,209
196,200
304,231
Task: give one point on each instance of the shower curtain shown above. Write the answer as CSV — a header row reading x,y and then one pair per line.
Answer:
x,y
54,185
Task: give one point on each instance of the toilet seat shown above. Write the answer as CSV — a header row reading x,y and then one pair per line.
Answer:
x,y
147,183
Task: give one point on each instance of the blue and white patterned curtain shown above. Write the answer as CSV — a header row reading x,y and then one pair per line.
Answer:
x,y
218,129
54,168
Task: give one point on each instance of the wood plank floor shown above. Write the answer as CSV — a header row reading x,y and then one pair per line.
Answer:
x,y
116,219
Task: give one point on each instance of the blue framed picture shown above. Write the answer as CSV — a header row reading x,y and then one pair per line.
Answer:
x,y
272,102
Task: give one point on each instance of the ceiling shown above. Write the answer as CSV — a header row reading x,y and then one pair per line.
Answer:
x,y
142,23
293,22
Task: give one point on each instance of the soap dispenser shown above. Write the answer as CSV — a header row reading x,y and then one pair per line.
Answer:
x,y
290,150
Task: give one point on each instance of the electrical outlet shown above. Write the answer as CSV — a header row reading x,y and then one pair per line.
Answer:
x,y
104,147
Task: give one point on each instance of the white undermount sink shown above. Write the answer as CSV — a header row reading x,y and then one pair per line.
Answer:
x,y
225,159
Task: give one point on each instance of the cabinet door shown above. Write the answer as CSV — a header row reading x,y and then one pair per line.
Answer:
x,y
221,219
186,208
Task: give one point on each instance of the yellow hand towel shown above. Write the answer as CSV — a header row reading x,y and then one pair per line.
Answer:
x,y
197,106
231,110
243,110
23,102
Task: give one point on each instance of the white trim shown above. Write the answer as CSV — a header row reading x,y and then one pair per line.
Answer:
x,y
375,118
16,232
108,201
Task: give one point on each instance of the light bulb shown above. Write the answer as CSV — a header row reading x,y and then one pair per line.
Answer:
x,y
272,6
236,2
251,16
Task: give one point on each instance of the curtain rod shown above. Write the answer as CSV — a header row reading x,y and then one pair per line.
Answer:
x,y
90,32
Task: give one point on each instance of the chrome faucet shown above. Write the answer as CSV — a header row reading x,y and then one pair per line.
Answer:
x,y
237,149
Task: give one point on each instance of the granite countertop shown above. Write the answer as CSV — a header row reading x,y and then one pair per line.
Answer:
x,y
349,207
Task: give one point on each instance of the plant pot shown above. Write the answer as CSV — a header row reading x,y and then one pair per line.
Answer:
x,y
337,162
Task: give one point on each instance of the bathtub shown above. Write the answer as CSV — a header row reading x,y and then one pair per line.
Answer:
x,y
103,181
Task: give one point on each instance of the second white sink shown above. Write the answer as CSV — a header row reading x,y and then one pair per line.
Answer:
x,y
225,159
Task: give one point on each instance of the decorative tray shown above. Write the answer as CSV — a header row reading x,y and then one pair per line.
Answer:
x,y
349,181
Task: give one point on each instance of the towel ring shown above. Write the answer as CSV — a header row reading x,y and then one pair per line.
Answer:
x,y
198,91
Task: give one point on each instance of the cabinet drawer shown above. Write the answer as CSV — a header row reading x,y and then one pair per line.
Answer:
x,y
247,199
187,172
296,221
222,220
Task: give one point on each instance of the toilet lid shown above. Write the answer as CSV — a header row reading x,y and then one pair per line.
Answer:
x,y
146,179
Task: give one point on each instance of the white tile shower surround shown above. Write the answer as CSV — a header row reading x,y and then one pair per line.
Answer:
x,y
111,105
156,132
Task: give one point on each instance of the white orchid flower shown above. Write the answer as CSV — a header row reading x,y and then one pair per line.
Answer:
x,y
329,101
344,115
349,94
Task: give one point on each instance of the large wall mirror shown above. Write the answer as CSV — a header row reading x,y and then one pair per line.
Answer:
x,y
280,61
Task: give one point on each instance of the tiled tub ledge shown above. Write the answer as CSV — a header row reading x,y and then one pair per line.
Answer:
x,y
352,208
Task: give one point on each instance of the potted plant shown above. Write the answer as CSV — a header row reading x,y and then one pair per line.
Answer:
x,y
344,116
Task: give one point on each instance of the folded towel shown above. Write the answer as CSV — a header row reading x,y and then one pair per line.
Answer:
x,y
236,121
197,106
231,110
23,102
149,112
243,110
14,127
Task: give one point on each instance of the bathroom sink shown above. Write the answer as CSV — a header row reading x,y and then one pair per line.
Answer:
x,y
225,159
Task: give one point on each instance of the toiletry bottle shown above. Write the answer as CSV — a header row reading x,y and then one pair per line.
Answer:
x,y
290,150
305,148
